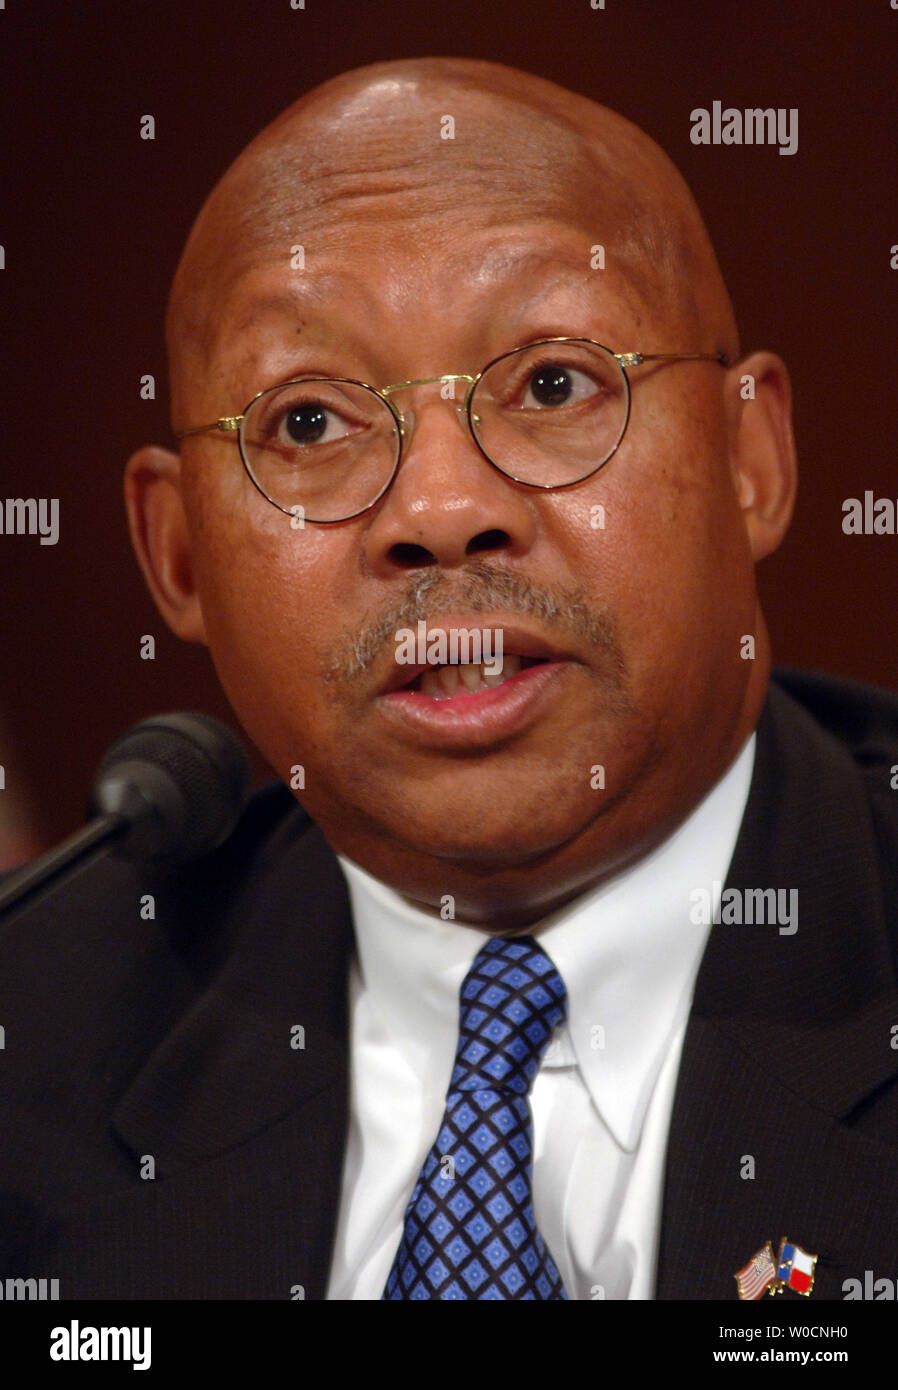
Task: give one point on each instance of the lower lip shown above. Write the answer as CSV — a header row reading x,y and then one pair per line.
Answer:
x,y
472,720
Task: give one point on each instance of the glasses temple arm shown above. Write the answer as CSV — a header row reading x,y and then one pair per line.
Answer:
x,y
633,359
226,423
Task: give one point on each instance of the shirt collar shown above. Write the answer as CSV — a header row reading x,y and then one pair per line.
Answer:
x,y
628,951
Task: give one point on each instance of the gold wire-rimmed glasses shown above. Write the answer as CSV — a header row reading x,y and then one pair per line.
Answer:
x,y
546,415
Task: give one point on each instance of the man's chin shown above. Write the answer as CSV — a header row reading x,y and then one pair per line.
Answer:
x,y
501,813
492,843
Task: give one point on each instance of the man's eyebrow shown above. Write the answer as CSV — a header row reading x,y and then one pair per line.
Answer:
x,y
283,302
513,258
301,326
568,269
565,277
588,286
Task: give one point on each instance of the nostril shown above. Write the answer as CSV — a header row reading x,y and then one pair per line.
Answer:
x,y
488,540
409,556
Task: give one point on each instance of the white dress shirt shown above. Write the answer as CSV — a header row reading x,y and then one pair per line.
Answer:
x,y
628,951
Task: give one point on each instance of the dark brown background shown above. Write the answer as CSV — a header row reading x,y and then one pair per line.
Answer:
x,y
94,219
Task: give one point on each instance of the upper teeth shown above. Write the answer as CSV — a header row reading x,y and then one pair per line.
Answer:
x,y
442,682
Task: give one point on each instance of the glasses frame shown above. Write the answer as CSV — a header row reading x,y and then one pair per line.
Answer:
x,y
232,426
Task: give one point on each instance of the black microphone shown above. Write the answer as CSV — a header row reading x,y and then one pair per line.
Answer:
x,y
169,790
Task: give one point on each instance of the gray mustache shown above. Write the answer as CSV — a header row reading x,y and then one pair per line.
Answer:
x,y
481,589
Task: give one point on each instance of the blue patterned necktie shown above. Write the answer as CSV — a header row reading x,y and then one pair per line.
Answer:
x,y
470,1229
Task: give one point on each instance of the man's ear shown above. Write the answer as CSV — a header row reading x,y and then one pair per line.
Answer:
x,y
160,538
762,447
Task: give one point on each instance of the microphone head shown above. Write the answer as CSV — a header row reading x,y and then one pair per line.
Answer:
x,y
178,781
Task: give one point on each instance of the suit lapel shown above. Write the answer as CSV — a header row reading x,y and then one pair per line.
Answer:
x,y
813,1181
264,1044
788,1036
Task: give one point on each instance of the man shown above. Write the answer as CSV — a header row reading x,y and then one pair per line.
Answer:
x,y
450,353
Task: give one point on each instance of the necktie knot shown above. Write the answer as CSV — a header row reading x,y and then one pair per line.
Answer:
x,y
510,1001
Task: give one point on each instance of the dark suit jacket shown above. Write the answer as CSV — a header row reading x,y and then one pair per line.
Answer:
x,y
167,1047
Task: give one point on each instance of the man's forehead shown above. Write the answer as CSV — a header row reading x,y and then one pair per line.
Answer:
x,y
515,266
392,144
383,233
419,206
509,286
361,173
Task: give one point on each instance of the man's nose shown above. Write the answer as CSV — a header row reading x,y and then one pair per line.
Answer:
x,y
447,501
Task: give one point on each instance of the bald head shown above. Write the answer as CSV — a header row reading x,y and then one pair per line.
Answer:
x,y
369,141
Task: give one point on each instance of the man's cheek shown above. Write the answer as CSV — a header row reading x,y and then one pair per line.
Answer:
x,y
259,650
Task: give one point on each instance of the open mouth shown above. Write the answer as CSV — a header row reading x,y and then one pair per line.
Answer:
x,y
443,699
452,679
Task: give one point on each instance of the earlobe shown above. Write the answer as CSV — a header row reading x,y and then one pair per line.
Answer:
x,y
160,537
762,447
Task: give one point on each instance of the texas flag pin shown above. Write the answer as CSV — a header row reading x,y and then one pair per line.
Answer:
x,y
794,1268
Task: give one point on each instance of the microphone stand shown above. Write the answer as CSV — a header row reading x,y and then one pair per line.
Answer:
x,y
74,853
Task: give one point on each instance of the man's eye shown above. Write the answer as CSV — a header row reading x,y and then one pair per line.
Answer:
x,y
311,422
555,385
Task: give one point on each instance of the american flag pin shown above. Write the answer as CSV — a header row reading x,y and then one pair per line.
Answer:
x,y
758,1274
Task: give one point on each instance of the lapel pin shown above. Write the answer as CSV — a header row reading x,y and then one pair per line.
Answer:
x,y
793,1268
758,1274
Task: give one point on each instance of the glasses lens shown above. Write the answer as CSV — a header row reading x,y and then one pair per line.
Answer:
x,y
551,413
321,449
